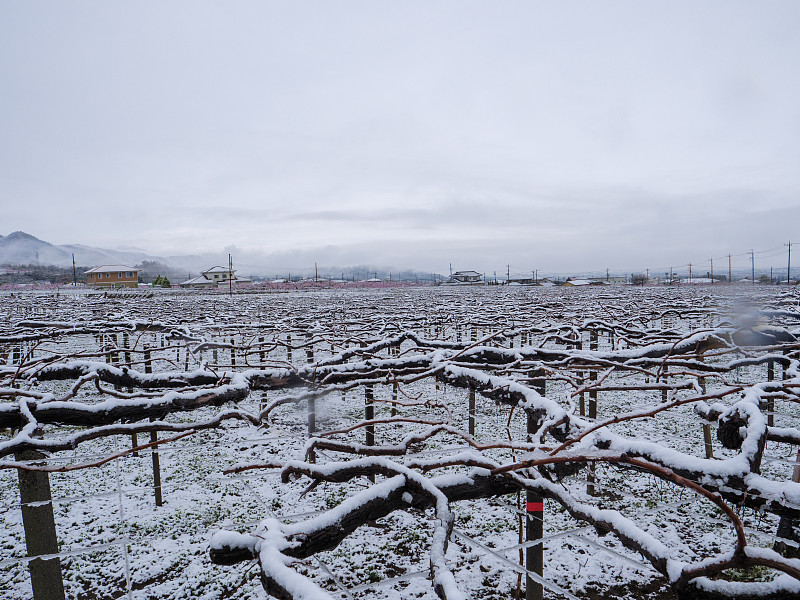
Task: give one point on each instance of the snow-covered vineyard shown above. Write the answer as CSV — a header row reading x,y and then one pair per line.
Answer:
x,y
408,443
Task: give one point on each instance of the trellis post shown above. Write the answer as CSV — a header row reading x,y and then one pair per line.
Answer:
x,y
369,415
787,527
134,436
156,468
40,530
707,440
590,477
312,425
148,368
312,416
771,399
310,354
471,419
534,526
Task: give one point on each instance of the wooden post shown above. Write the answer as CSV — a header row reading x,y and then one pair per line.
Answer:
x,y
312,426
771,400
261,355
40,530
369,414
590,479
312,416
233,352
134,437
787,527
156,468
702,380
785,374
395,390
664,376
534,525
593,396
578,345
289,348
471,418
115,355
707,442
148,364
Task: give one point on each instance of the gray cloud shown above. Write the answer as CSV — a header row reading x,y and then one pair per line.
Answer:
x,y
572,135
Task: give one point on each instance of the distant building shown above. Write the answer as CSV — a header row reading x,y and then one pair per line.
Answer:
x,y
113,276
465,278
210,278
611,280
575,282
580,281
218,274
700,281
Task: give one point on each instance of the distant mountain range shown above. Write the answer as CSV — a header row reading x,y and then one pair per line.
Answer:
x,y
20,248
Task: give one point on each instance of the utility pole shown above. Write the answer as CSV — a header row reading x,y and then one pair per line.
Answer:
x,y
606,275
670,276
75,276
316,272
230,277
712,271
753,265
451,269
730,279
508,273
789,265
690,272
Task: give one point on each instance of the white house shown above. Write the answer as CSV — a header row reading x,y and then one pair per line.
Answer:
x,y
465,278
210,278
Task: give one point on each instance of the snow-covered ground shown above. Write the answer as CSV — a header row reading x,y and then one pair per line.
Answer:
x,y
116,543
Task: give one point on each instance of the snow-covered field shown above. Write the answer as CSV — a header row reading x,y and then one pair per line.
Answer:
x,y
115,543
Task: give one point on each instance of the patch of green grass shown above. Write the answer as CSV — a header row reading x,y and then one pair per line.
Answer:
x,y
755,573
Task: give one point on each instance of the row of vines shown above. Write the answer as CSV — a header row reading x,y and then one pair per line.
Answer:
x,y
415,442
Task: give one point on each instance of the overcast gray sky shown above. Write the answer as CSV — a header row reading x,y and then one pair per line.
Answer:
x,y
551,135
